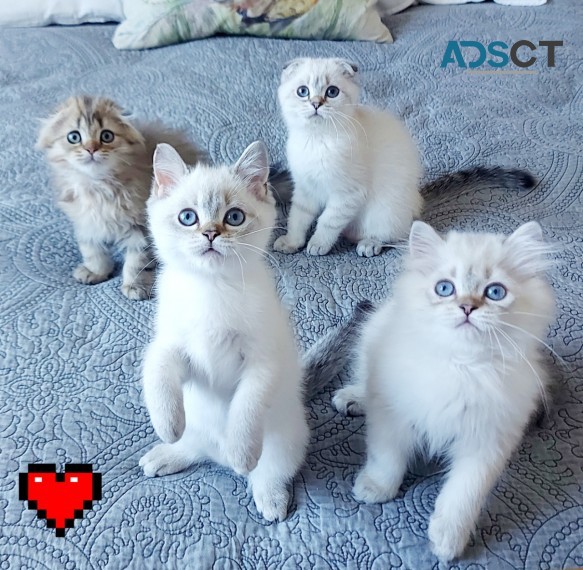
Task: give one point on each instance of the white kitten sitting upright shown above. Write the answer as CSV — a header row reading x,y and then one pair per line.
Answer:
x,y
451,365
222,377
354,168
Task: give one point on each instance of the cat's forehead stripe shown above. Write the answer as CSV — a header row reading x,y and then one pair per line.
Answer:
x,y
212,202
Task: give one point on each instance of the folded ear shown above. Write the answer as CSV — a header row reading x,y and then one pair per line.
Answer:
x,y
253,168
48,126
348,69
169,169
423,240
291,66
526,249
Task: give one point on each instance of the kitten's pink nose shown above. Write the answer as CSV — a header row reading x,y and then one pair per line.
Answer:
x,y
467,309
210,234
91,149
316,102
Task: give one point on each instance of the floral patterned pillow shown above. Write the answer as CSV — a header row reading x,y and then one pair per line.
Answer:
x,y
152,23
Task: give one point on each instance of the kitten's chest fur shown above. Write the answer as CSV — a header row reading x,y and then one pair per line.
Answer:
x,y
208,324
320,158
104,210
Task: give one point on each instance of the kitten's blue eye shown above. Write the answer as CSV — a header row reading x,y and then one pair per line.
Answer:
x,y
445,288
187,217
74,137
107,136
234,217
303,91
332,92
495,292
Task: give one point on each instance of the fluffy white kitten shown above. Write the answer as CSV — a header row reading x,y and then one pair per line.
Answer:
x,y
451,365
355,168
222,377
101,163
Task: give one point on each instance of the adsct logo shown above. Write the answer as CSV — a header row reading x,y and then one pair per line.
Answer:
x,y
497,55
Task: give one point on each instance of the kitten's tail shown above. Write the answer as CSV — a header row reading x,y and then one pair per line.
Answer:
x,y
479,177
328,355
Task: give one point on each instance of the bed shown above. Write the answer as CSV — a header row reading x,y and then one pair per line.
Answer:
x,y
70,354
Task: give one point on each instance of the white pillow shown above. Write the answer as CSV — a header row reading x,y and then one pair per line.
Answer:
x,y
24,13
390,7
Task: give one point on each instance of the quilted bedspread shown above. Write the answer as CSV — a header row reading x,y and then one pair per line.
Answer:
x,y
70,354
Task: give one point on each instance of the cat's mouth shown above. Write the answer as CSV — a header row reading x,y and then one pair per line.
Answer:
x,y
91,159
466,323
211,252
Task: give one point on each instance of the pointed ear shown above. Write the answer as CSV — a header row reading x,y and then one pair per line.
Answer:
x,y
423,240
253,168
531,232
348,69
169,168
526,249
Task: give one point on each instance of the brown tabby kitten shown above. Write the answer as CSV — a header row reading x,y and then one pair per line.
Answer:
x,y
102,171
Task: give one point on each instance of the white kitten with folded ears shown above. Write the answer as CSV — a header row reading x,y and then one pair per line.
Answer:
x,y
222,376
451,366
355,168
101,163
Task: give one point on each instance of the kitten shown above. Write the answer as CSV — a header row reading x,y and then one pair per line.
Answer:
x,y
102,169
354,168
451,365
222,377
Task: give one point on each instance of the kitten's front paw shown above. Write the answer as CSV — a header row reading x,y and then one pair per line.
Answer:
x,y
271,502
318,247
87,277
368,248
283,244
368,490
140,287
348,401
448,540
243,457
137,292
169,426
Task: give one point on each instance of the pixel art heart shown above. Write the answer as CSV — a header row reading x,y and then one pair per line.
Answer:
x,y
60,497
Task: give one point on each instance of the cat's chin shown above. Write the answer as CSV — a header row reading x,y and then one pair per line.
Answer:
x,y
209,259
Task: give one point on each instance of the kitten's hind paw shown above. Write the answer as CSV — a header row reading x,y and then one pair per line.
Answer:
x,y
271,501
165,459
349,401
283,244
368,248
369,490
87,277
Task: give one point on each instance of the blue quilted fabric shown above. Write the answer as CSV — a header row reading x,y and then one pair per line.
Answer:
x,y
70,354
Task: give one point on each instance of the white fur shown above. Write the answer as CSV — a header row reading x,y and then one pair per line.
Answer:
x,y
354,168
465,391
222,377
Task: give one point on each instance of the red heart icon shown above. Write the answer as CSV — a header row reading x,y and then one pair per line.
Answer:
x,y
60,497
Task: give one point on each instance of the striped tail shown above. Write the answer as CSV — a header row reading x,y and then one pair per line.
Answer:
x,y
326,358
480,177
